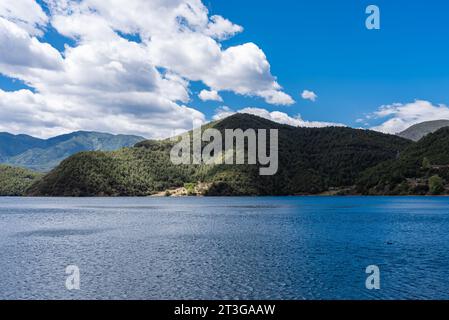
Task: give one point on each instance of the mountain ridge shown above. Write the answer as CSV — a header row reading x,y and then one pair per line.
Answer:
x,y
328,161
44,154
311,161
418,131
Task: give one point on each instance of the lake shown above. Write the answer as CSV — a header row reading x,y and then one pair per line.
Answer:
x,y
225,248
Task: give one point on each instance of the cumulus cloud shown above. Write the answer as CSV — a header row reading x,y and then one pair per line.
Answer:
x,y
108,81
40,115
212,95
400,116
241,69
309,95
20,51
276,116
27,14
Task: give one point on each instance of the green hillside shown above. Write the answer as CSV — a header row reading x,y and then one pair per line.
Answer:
x,y
15,181
411,173
311,160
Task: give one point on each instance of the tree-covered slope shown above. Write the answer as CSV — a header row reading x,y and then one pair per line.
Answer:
x,y
411,172
125,172
311,160
15,181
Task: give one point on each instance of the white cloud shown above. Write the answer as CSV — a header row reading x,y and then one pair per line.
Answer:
x,y
275,116
402,116
212,95
20,51
223,112
276,97
241,69
48,115
221,28
108,82
188,48
309,95
27,14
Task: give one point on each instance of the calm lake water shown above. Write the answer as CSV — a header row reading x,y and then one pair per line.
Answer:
x,y
224,248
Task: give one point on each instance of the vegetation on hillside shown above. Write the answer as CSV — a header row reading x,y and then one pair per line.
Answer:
x,y
420,169
311,160
15,181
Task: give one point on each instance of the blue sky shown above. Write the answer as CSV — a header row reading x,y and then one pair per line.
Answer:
x,y
319,45
324,46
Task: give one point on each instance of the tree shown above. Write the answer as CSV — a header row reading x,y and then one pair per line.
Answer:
x,y
426,163
436,185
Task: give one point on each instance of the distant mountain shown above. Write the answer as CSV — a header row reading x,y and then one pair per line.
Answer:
x,y
311,161
414,172
11,145
418,131
45,154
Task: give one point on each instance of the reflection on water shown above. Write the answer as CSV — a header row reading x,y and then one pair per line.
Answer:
x,y
224,248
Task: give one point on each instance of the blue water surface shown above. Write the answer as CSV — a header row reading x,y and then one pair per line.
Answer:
x,y
225,248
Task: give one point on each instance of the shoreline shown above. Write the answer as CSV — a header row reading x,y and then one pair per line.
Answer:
x,y
242,196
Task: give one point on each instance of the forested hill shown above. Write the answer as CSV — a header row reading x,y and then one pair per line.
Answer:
x,y
15,181
423,168
311,160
